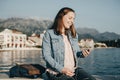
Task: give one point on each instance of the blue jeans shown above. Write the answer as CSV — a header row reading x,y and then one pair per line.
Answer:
x,y
80,74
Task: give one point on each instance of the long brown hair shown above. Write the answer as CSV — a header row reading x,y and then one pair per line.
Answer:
x,y
58,23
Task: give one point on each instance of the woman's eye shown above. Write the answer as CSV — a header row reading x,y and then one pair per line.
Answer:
x,y
71,18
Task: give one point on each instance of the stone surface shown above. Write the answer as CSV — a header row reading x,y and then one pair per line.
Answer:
x,y
103,77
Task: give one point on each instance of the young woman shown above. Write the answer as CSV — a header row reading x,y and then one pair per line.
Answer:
x,y
60,47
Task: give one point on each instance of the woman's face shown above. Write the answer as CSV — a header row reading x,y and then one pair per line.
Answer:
x,y
68,19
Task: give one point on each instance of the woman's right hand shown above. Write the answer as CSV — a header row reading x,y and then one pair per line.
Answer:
x,y
68,72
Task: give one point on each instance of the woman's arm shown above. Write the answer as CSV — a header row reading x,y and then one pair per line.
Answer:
x,y
47,52
79,52
82,53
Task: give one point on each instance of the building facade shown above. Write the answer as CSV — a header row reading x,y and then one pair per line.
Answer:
x,y
86,43
12,39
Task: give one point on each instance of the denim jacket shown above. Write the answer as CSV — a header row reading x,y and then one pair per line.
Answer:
x,y
53,50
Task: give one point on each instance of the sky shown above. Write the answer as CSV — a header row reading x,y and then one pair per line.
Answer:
x,y
103,15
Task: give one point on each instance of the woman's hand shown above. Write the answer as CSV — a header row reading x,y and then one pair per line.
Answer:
x,y
68,72
86,52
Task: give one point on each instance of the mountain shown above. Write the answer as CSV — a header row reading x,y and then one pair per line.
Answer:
x,y
29,26
85,30
107,36
96,35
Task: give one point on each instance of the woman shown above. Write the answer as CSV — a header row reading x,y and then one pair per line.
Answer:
x,y
60,47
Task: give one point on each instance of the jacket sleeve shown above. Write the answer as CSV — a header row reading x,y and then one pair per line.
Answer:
x,y
47,52
79,52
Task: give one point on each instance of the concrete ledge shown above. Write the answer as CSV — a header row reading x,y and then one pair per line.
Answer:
x,y
4,76
21,79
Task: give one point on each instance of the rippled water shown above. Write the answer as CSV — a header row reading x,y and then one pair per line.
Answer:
x,y
10,58
99,62
102,62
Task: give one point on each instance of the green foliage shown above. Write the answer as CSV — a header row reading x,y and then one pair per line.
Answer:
x,y
112,43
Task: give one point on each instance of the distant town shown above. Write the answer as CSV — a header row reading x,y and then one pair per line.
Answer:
x,y
13,39
27,33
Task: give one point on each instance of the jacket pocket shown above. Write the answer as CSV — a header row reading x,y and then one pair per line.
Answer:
x,y
55,44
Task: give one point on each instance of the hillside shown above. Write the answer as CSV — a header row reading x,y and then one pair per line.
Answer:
x,y
29,26
96,35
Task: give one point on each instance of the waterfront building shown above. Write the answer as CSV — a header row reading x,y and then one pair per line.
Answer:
x,y
42,34
86,43
12,39
34,40
89,43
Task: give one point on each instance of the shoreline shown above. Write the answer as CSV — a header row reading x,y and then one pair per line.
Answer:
x,y
11,49
34,48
